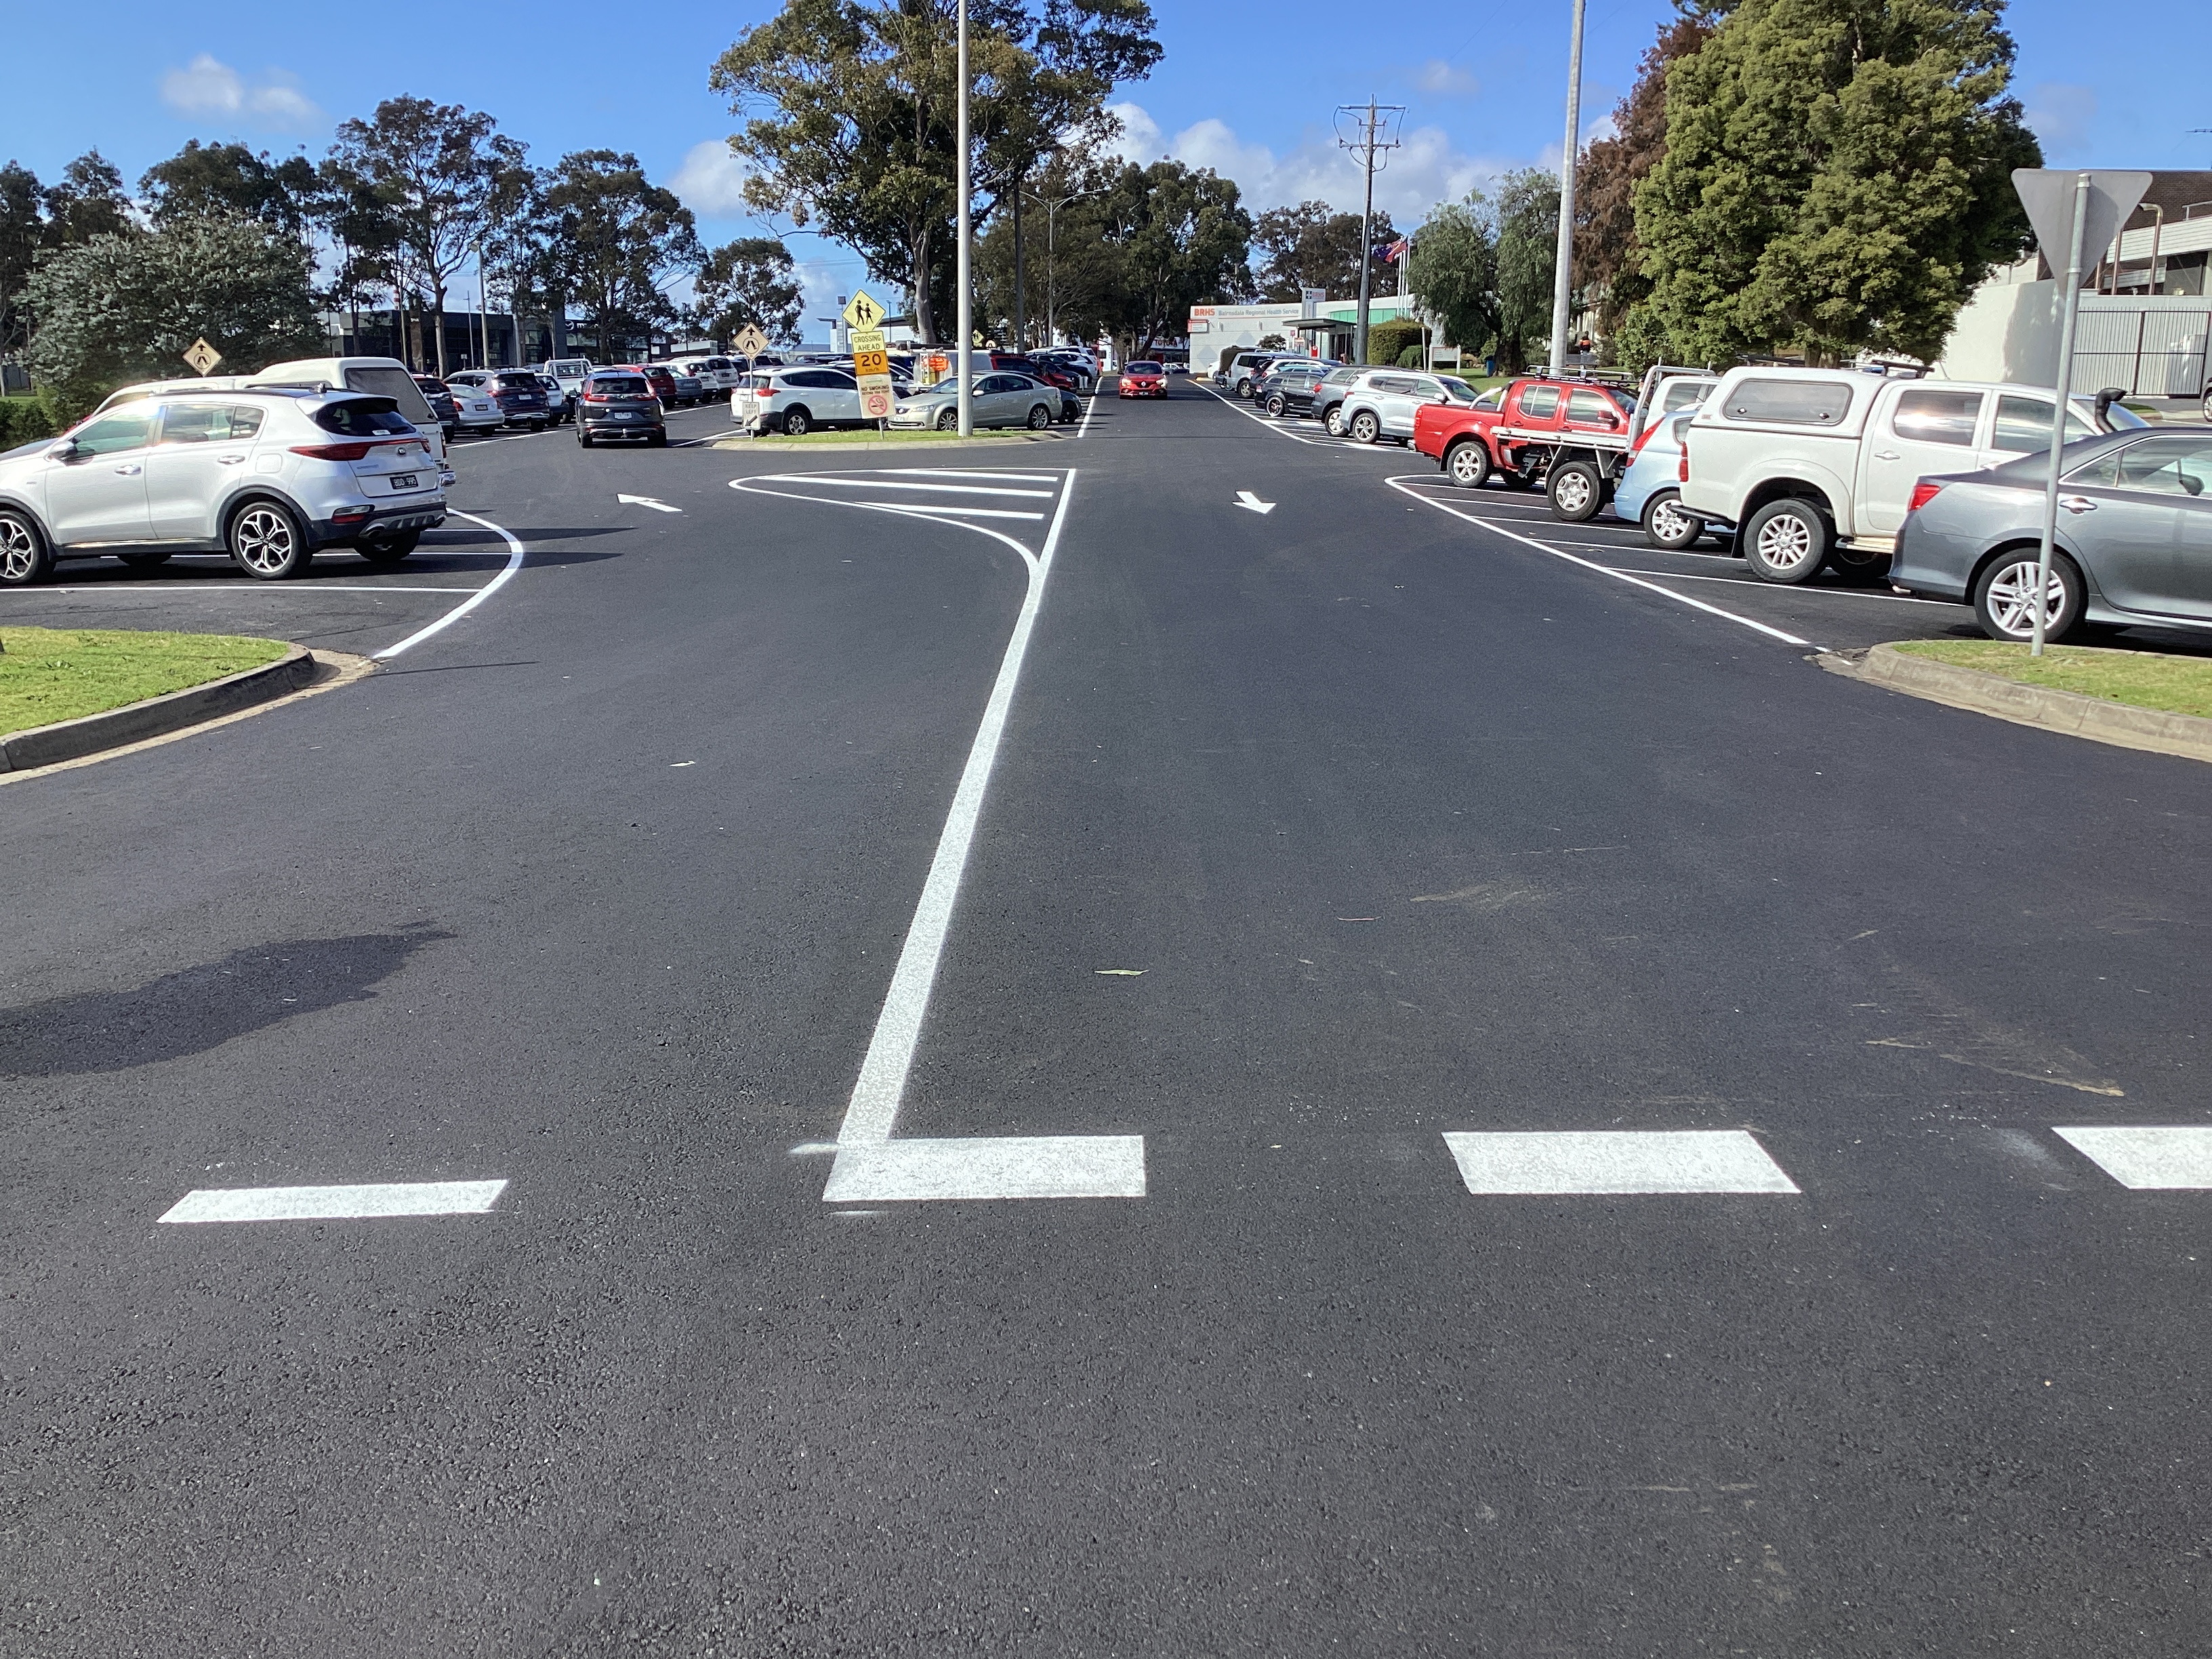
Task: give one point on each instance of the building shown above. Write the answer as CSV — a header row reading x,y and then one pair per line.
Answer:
x,y
2146,317
1218,333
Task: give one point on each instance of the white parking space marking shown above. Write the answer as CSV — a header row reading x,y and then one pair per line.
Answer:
x,y
870,1164
956,490
516,552
988,1166
1558,1163
1399,484
336,1203
2178,1159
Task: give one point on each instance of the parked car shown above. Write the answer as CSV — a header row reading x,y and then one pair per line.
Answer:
x,y
1570,435
443,408
2133,545
1143,379
795,401
1667,391
717,375
1081,365
270,477
520,398
657,375
556,401
998,399
1649,495
689,390
1330,395
619,403
1382,404
1247,368
1289,385
1818,465
1063,375
568,373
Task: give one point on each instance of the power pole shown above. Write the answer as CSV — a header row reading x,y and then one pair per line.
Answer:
x,y
1563,272
966,308
1376,135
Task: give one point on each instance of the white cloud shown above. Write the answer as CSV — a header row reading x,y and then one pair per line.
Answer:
x,y
1442,80
1426,169
206,87
711,181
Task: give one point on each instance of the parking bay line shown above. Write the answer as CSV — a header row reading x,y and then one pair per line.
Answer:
x,y
1540,1163
407,1198
516,553
2172,1158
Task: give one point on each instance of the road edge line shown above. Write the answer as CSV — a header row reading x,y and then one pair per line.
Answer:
x,y
516,555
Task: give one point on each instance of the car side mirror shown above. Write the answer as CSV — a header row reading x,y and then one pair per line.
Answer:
x,y
64,449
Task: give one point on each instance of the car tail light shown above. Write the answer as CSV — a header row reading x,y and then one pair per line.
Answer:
x,y
348,514
358,451
1682,466
765,393
1922,493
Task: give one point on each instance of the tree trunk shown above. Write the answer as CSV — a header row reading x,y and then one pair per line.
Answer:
x,y
438,311
925,322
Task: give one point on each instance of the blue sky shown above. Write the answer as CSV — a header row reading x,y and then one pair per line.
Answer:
x,y
1247,86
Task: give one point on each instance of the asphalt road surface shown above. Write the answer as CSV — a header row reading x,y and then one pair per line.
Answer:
x,y
994,1051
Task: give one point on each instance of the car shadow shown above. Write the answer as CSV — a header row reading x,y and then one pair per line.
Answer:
x,y
196,1009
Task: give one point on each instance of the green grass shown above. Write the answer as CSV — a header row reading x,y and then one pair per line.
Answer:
x,y
2175,685
49,674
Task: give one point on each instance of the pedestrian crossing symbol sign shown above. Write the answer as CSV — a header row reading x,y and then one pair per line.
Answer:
x,y
864,310
202,357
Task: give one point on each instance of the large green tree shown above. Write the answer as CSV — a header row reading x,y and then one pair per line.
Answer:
x,y
88,201
22,227
1178,238
126,307
1836,177
201,180
443,178
1311,245
1453,270
748,282
851,106
615,240
1527,255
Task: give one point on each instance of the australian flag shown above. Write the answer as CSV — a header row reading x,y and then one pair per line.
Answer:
x,y
1389,253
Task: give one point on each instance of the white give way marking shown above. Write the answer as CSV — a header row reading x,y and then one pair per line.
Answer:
x,y
647,501
1252,503
871,1166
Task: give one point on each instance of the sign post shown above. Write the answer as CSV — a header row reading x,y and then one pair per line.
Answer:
x,y
2073,211
871,363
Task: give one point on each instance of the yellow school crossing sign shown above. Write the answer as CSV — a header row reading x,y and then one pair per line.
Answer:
x,y
863,310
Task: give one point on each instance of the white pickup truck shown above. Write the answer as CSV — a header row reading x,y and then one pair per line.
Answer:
x,y
1817,465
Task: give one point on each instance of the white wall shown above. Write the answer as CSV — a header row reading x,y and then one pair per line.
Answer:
x,y
2151,346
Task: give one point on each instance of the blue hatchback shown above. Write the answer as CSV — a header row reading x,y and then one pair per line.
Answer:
x,y
1650,491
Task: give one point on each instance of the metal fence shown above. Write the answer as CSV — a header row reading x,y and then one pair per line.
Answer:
x,y
2147,354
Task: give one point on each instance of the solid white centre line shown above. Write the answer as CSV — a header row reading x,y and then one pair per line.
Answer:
x,y
515,554
336,1203
2178,1159
1616,1161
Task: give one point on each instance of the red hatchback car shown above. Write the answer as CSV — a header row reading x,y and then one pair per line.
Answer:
x,y
656,376
1146,379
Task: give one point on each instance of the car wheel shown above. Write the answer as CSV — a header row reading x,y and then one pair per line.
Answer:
x,y
24,556
1857,564
1576,490
797,423
2004,597
1467,464
1039,417
1242,388
657,439
583,438
1786,541
1332,422
390,550
1666,524
1365,427
1276,404
948,420
267,541
2207,406
152,559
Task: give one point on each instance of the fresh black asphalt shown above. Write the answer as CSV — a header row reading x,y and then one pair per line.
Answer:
x,y
1410,828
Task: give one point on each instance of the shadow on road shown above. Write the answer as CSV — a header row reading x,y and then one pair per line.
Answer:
x,y
195,1009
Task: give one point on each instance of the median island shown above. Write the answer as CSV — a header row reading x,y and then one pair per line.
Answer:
x,y
2141,680
51,674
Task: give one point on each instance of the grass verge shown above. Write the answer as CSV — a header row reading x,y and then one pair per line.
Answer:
x,y
2174,685
870,436
49,674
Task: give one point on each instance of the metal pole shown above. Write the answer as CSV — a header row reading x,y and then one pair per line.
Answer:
x,y
1021,290
1366,242
966,306
2058,413
1563,274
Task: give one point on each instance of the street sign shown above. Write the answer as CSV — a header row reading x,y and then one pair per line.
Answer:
x,y
862,310
750,342
871,367
202,357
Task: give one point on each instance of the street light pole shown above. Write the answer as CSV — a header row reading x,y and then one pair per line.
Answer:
x,y
1563,271
965,308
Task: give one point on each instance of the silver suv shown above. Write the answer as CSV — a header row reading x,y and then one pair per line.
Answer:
x,y
271,477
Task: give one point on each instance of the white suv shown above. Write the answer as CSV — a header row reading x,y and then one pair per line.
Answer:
x,y
268,477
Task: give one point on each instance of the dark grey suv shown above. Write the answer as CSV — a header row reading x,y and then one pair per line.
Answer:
x,y
619,404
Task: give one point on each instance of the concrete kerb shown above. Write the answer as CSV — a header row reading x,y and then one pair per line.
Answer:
x,y
158,719
738,441
2072,713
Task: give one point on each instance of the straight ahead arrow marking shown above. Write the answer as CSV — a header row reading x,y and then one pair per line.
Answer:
x,y
1252,503
647,501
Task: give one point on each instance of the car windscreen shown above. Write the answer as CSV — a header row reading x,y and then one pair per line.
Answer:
x,y
362,417
394,383
1144,368
575,369
521,379
619,386
1458,390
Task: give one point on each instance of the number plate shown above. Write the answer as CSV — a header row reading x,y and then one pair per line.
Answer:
x,y
404,480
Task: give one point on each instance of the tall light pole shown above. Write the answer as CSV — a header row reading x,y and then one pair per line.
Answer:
x,y
1562,271
965,309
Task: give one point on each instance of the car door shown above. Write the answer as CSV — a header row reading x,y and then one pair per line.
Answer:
x,y
1921,431
1591,410
99,494
2141,518
841,397
991,404
199,449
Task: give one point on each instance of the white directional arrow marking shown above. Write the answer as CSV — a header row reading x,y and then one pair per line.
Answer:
x,y
1252,503
647,501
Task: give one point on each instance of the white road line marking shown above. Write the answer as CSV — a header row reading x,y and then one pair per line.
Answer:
x,y
1088,409
1252,503
951,472
1604,569
1616,1161
647,501
2178,1159
897,482
336,1203
226,589
930,508
516,551
1807,589
990,1167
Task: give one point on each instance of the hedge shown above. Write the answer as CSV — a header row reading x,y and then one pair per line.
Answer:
x,y
1387,341
24,420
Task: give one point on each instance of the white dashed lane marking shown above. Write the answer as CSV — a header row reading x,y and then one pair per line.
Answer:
x,y
1557,1163
2171,1159
406,1198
